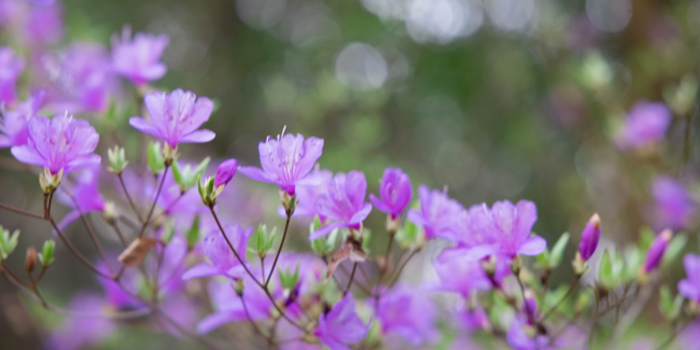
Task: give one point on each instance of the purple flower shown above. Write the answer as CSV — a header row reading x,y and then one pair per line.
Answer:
x,y
510,235
230,307
11,67
176,117
646,124
139,59
223,261
84,197
59,143
44,24
409,313
590,237
519,337
341,325
344,203
15,123
287,161
86,326
459,274
225,172
656,251
307,195
438,213
674,208
395,193
690,287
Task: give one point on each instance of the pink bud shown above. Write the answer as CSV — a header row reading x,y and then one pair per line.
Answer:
x,y
225,172
590,237
656,250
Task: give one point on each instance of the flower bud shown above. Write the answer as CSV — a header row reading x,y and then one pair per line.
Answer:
x,y
110,212
590,237
30,259
531,303
117,159
225,172
46,256
8,242
656,251
49,182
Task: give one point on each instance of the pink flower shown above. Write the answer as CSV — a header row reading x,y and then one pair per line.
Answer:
x,y
341,325
59,143
11,67
15,123
395,193
344,203
139,59
175,118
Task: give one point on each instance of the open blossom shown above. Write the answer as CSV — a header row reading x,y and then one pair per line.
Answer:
x,y
459,274
59,143
287,161
646,124
674,208
308,195
408,312
690,287
175,118
11,67
229,307
15,123
138,59
217,250
395,193
590,237
656,250
84,197
344,203
82,329
510,235
438,213
341,325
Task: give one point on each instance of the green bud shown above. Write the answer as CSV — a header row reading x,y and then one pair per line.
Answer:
x,y
207,191
289,280
8,242
186,177
117,159
155,157
49,182
46,257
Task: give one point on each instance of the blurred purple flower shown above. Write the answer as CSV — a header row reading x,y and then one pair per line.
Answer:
x,y
176,117
344,203
86,326
674,208
438,213
646,124
225,172
84,197
395,193
459,274
15,123
44,24
341,325
656,251
59,143
690,287
518,338
409,313
287,161
473,319
510,236
11,67
230,307
222,260
590,237
138,59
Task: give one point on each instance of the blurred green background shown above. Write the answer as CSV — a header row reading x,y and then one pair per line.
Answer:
x,y
495,99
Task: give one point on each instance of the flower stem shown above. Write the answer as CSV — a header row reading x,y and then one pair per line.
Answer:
x,y
573,285
352,278
279,250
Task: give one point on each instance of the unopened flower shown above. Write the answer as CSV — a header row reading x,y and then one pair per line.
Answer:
x,y
674,208
62,143
138,59
438,213
344,204
656,251
690,287
176,117
408,312
225,172
223,261
646,125
11,67
590,237
287,161
341,325
15,123
395,193
510,236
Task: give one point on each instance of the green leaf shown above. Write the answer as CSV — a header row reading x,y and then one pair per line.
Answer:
x,y
155,157
193,235
177,175
606,274
558,249
675,248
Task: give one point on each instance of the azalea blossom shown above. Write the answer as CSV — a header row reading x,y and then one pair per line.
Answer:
x,y
690,287
395,193
59,143
344,204
341,325
287,161
438,213
11,67
15,123
223,262
176,117
645,125
138,59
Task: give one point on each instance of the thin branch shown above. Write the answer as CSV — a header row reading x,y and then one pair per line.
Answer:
x,y
279,250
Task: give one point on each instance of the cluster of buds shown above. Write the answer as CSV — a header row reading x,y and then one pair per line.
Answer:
x,y
211,187
49,181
